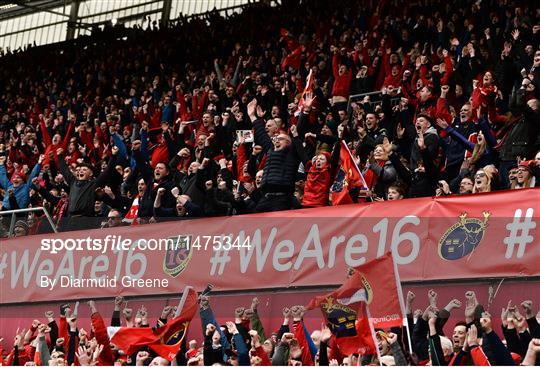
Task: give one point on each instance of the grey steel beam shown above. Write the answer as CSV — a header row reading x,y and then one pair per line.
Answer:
x,y
73,19
166,12
39,9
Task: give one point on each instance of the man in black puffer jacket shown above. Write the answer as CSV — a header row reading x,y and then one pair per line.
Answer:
x,y
282,162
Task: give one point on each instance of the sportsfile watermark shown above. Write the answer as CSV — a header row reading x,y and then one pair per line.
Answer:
x,y
113,242
278,251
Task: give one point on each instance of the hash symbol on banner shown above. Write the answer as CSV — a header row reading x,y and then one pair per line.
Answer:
x,y
519,233
221,258
3,266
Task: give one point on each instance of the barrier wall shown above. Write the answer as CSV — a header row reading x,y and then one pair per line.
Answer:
x,y
272,302
464,237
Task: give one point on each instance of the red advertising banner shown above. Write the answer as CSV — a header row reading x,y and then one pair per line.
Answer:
x,y
463,237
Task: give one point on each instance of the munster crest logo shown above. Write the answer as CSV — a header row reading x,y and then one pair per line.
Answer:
x,y
340,318
340,182
463,237
177,255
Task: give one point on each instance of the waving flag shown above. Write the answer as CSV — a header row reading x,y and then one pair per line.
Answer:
x,y
348,176
382,291
166,340
131,216
294,59
345,313
288,37
307,88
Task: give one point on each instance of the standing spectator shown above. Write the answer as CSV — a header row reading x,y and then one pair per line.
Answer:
x,y
82,187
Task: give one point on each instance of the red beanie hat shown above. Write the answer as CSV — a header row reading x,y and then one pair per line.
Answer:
x,y
528,165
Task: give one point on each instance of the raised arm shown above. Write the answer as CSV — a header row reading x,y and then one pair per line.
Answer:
x,y
69,133
105,175
261,137
298,146
4,180
62,166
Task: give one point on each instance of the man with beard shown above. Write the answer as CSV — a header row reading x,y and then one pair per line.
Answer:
x,y
466,186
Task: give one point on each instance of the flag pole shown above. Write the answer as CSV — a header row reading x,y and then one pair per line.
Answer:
x,y
182,300
373,336
364,183
402,303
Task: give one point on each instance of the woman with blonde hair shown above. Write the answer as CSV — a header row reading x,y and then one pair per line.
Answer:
x,y
483,181
380,173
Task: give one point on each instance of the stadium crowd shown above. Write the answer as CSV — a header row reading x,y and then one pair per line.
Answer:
x,y
243,340
211,116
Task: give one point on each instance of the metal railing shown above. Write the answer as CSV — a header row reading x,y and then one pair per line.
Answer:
x,y
374,98
14,213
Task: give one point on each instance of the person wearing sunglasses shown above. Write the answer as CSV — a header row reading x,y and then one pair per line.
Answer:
x,y
482,181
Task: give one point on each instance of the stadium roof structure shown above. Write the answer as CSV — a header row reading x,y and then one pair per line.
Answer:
x,y
40,22
10,8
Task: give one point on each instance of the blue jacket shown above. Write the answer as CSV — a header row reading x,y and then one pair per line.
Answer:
x,y
167,114
22,192
207,317
456,147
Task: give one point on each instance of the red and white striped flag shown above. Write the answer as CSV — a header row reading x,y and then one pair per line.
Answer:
x,y
309,82
131,216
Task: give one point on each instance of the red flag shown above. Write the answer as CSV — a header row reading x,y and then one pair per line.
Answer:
x,y
309,82
159,155
287,36
131,216
473,138
382,291
294,59
37,357
365,334
345,314
348,176
166,340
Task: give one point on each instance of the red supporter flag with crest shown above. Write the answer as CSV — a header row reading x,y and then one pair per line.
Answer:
x,y
345,313
382,291
166,340
348,176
